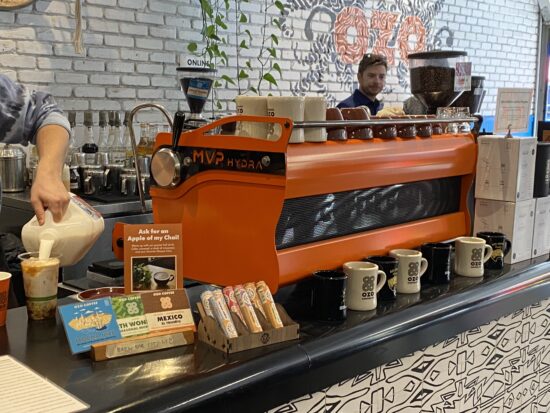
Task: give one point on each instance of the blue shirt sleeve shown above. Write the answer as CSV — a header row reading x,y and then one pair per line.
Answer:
x,y
22,112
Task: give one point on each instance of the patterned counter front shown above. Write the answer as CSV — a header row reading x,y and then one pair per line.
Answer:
x,y
501,366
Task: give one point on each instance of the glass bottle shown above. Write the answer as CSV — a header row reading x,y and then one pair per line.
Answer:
x,y
89,147
103,143
154,129
117,149
111,129
73,147
143,139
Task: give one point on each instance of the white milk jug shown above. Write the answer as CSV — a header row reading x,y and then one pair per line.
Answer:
x,y
72,237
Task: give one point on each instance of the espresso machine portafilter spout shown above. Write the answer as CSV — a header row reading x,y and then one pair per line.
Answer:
x,y
133,141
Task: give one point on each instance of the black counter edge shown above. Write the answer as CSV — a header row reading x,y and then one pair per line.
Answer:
x,y
273,379
215,390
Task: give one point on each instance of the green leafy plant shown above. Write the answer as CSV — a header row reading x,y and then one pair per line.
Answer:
x,y
216,32
141,277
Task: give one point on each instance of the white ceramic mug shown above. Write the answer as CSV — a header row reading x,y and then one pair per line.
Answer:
x,y
286,107
362,285
410,268
315,110
470,255
252,105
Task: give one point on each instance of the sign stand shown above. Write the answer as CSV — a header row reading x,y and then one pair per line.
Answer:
x,y
142,344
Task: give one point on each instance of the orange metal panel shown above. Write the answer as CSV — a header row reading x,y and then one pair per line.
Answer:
x,y
334,166
229,218
228,232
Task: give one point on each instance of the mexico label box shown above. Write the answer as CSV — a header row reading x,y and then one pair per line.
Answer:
x,y
515,219
505,168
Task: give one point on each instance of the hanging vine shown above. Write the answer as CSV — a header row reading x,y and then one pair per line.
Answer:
x,y
216,34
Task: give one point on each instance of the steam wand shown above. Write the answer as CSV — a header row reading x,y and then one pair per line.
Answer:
x,y
133,142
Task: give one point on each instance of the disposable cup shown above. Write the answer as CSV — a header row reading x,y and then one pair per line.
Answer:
x,y
40,278
4,290
286,107
315,108
252,105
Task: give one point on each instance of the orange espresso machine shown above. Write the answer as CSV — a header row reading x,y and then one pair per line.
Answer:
x,y
254,209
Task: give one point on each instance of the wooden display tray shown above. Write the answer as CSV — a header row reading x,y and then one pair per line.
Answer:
x,y
210,333
142,344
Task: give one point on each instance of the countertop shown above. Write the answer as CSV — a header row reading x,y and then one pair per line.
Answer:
x,y
21,200
199,378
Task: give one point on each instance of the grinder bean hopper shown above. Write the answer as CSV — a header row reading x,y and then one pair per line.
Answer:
x,y
433,77
195,83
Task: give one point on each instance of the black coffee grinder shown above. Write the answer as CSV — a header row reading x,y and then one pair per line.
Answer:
x,y
195,83
433,77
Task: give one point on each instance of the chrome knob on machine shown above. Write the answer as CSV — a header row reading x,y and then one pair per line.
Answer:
x,y
166,163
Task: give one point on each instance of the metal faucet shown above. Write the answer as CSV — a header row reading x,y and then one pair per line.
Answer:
x,y
133,141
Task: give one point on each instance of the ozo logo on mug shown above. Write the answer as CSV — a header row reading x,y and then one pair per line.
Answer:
x,y
477,257
368,287
413,272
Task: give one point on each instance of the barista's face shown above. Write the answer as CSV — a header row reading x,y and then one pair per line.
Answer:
x,y
372,80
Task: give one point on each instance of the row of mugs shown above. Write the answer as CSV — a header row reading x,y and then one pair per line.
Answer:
x,y
361,282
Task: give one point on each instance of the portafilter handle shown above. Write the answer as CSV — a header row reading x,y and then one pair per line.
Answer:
x,y
133,142
166,163
477,125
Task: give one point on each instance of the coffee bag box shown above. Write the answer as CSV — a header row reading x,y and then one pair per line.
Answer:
x,y
541,229
505,168
515,219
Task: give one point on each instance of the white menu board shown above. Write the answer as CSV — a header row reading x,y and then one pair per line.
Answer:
x,y
513,110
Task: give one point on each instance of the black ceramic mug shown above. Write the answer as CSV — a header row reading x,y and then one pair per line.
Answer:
x,y
389,266
438,255
328,298
501,247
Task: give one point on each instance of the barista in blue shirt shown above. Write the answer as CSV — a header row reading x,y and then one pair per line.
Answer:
x,y
372,79
33,116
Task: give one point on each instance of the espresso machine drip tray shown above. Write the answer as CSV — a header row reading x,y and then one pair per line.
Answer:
x,y
110,197
106,273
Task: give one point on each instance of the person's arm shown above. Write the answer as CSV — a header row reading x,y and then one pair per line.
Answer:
x,y
48,190
33,116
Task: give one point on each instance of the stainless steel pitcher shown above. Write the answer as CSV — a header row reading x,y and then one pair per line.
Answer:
x,y
128,182
13,168
94,179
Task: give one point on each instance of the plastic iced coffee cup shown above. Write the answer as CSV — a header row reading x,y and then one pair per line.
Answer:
x,y
40,278
4,290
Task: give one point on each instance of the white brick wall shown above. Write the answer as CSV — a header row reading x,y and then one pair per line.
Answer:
x,y
501,38
132,48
